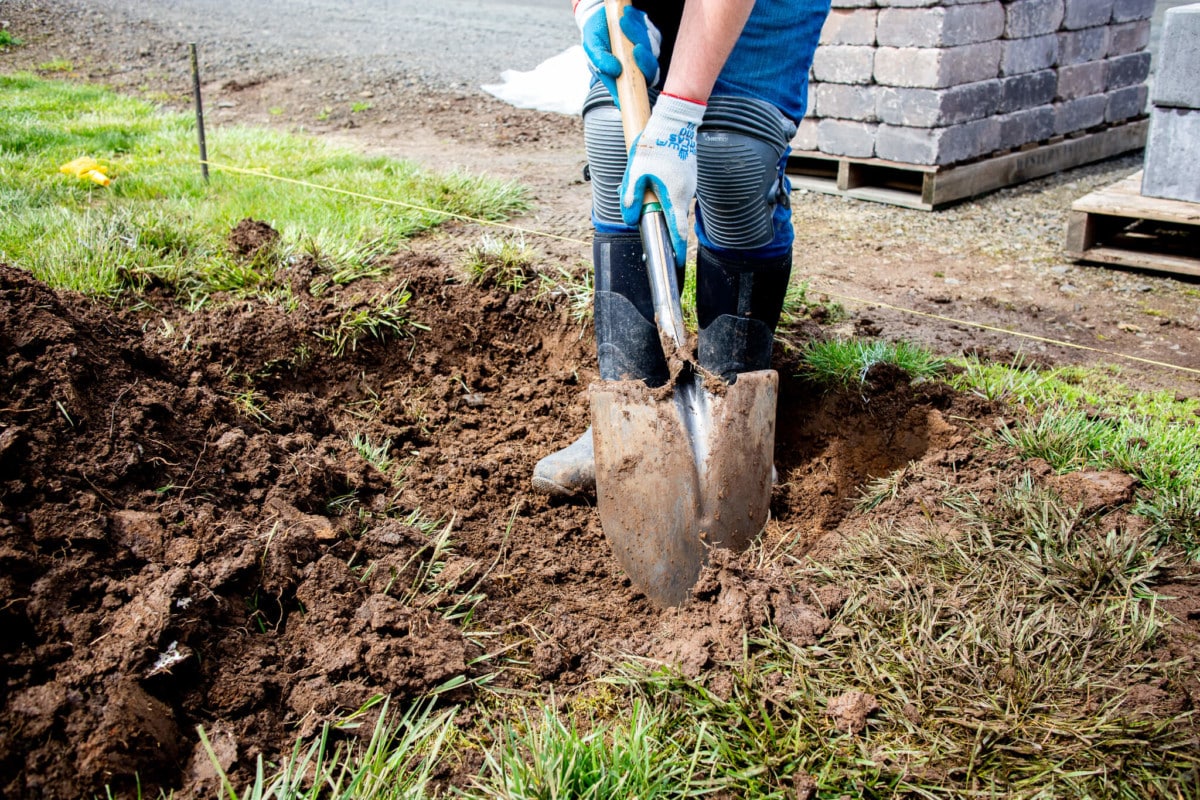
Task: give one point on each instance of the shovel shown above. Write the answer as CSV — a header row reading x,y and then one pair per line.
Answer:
x,y
687,466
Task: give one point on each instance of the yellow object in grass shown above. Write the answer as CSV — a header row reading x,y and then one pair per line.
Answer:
x,y
87,168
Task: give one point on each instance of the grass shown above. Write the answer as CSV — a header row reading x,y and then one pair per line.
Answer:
x,y
546,757
376,318
1087,419
849,362
797,306
506,263
159,223
995,639
8,39
396,762
576,287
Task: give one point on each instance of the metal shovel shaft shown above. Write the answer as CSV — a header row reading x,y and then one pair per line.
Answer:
x,y
664,284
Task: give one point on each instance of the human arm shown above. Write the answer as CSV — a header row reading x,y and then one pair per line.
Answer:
x,y
664,155
707,33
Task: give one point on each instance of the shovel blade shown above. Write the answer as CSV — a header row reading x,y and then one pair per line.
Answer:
x,y
678,474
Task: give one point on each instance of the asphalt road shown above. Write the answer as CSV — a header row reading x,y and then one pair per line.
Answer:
x,y
437,43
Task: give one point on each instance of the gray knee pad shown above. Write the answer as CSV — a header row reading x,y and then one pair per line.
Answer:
x,y
739,183
604,139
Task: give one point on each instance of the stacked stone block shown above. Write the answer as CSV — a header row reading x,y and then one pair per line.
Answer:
x,y
945,81
1172,160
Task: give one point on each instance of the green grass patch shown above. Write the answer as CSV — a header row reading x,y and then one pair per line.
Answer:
x,y
8,39
158,221
505,263
1086,418
545,756
395,762
849,362
378,318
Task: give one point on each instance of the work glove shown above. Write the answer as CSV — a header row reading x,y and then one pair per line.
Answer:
x,y
646,39
663,157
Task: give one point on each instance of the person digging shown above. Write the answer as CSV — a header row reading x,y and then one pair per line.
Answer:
x,y
728,82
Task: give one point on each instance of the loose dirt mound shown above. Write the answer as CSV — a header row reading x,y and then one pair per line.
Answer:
x,y
189,537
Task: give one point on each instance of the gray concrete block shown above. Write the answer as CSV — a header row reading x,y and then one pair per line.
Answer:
x,y
1127,70
844,63
1035,53
1025,18
1128,37
1126,103
1172,161
1081,80
937,68
937,108
1130,10
948,145
850,26
1022,92
847,101
853,3
806,135
839,137
942,26
1087,13
1025,126
1177,70
1080,114
1089,44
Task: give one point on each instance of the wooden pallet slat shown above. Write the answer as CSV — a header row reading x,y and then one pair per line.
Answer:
x,y
1118,225
928,188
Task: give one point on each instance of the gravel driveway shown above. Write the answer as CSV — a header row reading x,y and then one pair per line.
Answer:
x,y
443,44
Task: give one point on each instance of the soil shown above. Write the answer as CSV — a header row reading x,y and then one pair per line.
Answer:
x,y
189,538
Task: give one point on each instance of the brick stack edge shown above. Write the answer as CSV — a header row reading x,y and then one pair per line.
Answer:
x,y
944,81
1172,159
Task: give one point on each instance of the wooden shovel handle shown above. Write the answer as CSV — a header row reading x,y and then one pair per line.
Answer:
x,y
631,84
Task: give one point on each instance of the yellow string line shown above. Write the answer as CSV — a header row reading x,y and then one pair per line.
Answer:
x,y
262,173
986,327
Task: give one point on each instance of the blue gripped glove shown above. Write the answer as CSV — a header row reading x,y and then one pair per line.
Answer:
x,y
664,157
646,39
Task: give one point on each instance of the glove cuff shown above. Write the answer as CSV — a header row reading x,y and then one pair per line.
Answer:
x,y
584,9
687,99
679,109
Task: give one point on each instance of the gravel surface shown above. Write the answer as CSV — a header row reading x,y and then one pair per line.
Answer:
x,y
439,45
995,260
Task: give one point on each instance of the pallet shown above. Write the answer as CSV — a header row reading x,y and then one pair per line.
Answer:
x,y
1118,225
928,188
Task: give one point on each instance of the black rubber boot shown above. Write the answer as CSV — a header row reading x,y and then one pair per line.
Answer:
x,y
738,303
627,348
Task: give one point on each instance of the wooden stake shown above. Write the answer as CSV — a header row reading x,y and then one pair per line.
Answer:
x,y
199,112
